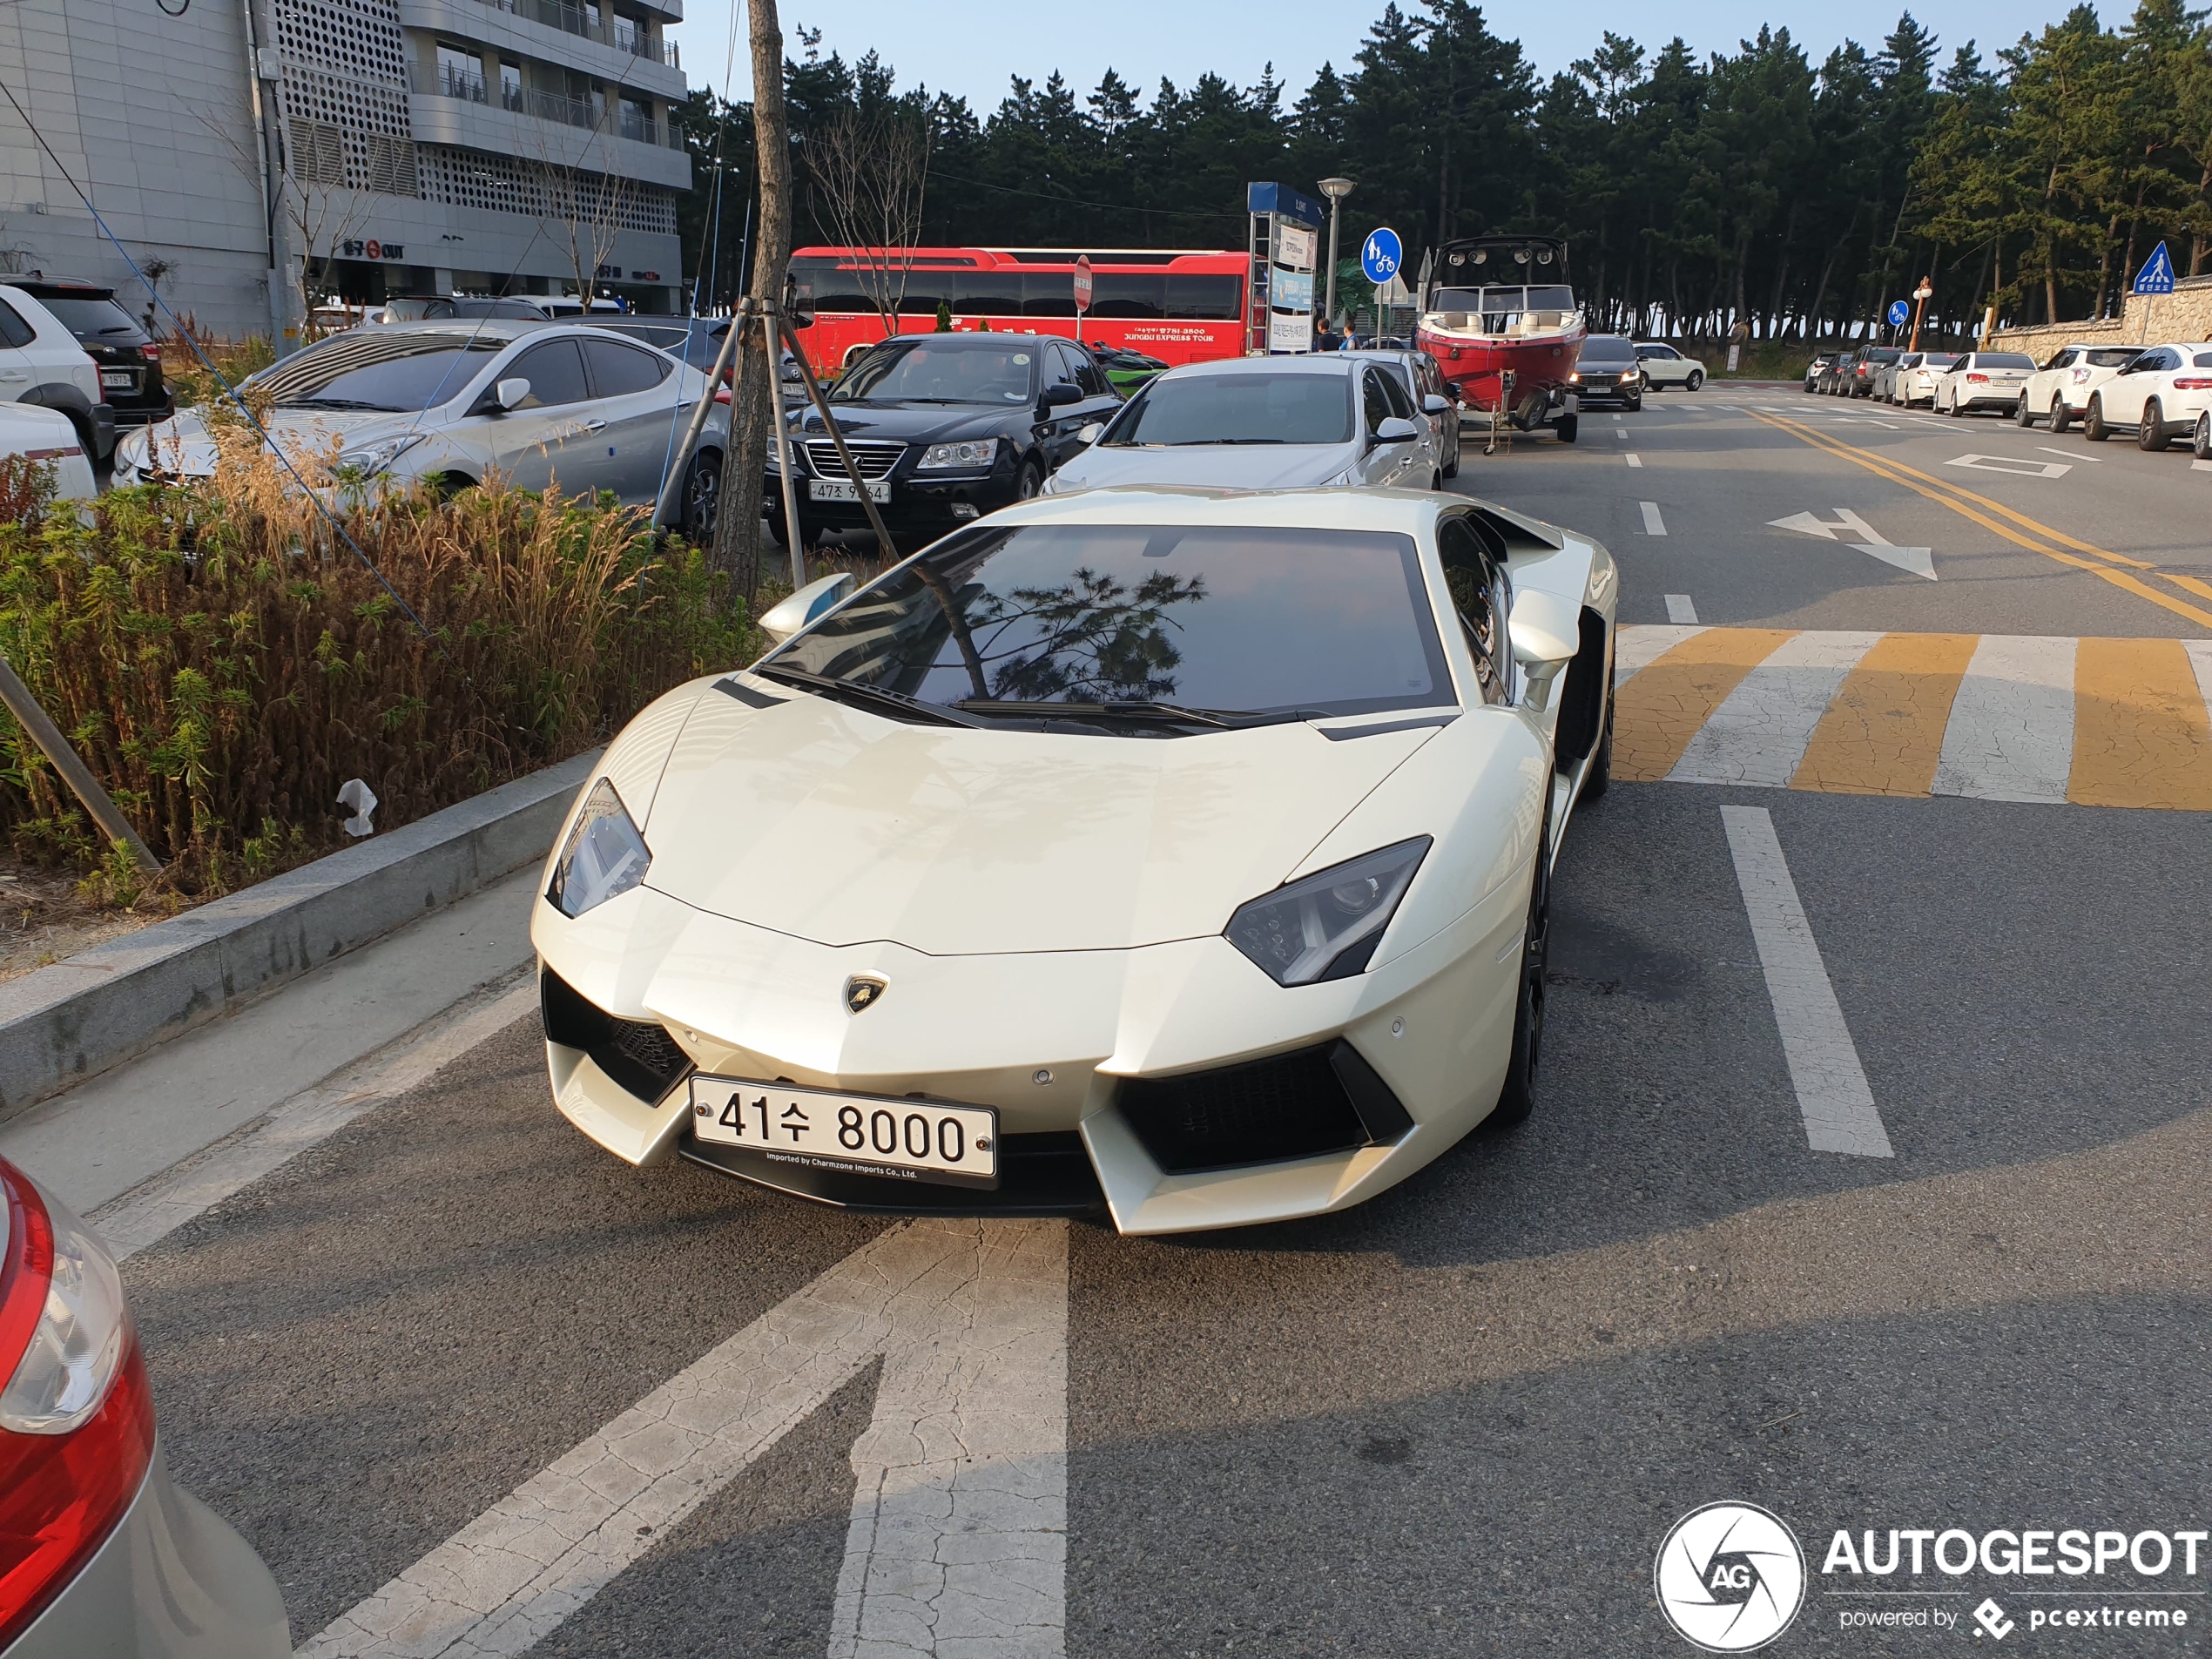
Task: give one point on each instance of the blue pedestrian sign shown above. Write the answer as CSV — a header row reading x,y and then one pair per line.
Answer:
x,y
2157,274
1381,255
1900,314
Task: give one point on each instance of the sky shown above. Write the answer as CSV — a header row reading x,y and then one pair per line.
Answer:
x,y
1146,39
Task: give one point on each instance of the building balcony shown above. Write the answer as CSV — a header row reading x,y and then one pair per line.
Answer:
x,y
450,108
555,32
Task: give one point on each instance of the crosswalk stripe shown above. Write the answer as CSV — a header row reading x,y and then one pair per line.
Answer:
x,y
2010,734
1661,709
2140,736
1882,734
1758,733
1992,717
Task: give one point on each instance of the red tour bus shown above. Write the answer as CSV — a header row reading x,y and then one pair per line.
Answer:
x,y
1179,305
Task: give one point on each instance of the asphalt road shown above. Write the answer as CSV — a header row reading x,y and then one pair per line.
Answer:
x,y
1462,1419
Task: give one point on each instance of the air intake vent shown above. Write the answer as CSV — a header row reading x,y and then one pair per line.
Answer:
x,y
1298,1105
637,1054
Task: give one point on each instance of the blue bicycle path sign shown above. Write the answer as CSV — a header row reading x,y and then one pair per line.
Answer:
x,y
2157,274
1381,254
1900,314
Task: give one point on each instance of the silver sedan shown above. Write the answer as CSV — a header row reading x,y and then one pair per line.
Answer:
x,y
1263,423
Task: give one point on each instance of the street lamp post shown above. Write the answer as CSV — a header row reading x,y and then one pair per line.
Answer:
x,y
1336,190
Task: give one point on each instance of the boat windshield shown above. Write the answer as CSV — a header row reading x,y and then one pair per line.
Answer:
x,y
1501,308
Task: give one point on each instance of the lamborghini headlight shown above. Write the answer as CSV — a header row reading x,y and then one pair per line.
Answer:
x,y
604,854
1327,926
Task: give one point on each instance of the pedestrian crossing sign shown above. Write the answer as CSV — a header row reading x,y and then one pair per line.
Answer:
x,y
2157,274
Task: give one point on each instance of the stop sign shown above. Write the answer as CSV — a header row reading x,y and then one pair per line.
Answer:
x,y
1082,282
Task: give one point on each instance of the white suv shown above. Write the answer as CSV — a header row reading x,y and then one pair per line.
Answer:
x,y
2060,388
42,363
2160,393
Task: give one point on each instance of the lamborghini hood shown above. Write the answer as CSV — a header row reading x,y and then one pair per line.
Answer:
x,y
830,824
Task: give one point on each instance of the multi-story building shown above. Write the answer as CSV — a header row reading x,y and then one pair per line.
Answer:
x,y
349,149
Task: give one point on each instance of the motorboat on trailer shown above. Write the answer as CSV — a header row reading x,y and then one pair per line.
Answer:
x,y
1500,317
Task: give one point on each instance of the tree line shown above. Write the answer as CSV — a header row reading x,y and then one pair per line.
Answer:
x,y
1756,187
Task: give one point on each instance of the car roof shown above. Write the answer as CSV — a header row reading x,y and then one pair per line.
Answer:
x,y
1407,510
62,288
1325,362
502,329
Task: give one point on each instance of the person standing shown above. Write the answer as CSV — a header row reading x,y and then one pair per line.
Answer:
x,y
1324,337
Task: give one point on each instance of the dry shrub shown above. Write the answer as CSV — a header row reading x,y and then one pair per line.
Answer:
x,y
224,661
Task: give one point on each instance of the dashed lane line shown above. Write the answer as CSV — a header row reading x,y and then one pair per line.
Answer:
x,y
1653,524
1635,461
958,1539
1832,1095
1679,608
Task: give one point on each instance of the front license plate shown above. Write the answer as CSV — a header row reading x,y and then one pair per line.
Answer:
x,y
121,380
841,490
902,1139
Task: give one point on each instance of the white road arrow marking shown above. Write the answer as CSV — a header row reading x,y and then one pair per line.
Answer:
x,y
1919,561
2012,465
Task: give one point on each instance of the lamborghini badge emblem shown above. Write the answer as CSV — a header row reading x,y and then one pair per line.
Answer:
x,y
862,991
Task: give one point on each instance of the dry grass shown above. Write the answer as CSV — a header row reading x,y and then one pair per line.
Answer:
x,y
224,661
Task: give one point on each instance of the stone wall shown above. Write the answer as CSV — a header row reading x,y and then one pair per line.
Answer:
x,y
2186,313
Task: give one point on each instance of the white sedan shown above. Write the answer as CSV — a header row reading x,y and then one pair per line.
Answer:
x,y
2160,393
1180,855
1265,423
1664,366
2059,390
1982,379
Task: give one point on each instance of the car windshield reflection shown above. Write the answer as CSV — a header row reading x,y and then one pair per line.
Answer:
x,y
899,372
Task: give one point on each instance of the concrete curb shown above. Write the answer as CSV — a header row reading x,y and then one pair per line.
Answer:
x,y
69,1021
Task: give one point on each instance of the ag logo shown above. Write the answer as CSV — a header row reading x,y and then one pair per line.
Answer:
x,y
862,990
1730,1577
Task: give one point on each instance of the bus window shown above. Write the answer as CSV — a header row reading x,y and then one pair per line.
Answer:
x,y
1048,294
1118,293
1209,298
986,293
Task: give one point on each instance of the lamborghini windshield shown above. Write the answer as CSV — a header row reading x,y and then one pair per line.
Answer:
x,y
1136,626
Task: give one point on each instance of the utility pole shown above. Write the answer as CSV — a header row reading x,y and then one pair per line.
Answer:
x,y
757,399
1336,190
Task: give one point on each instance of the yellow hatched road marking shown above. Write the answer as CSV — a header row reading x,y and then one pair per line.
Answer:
x,y
2141,733
1946,494
1882,734
1662,708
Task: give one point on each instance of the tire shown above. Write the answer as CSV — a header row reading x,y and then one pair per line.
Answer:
x,y
2201,441
2093,422
1635,405
2023,416
2151,435
1599,777
1030,484
1517,1098
2061,416
702,496
1568,426
1697,379
1436,479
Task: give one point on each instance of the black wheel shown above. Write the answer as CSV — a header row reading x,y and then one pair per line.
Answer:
x,y
2200,443
2061,416
703,496
2093,422
2022,415
1697,379
2150,434
1635,404
1031,483
1599,777
1518,1097
1453,471
1568,425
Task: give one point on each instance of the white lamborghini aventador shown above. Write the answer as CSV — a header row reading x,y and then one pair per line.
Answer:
x,y
1180,853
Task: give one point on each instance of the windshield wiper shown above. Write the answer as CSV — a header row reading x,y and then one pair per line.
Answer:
x,y
337,403
1192,443
897,704
1224,719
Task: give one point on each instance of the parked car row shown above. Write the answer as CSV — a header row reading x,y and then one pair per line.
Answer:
x,y
68,347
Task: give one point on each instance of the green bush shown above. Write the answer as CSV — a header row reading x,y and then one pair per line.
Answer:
x,y
224,662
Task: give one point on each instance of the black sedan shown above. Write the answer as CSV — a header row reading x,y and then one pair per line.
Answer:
x,y
129,362
943,428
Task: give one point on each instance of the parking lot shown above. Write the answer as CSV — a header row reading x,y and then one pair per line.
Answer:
x,y
1930,1253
